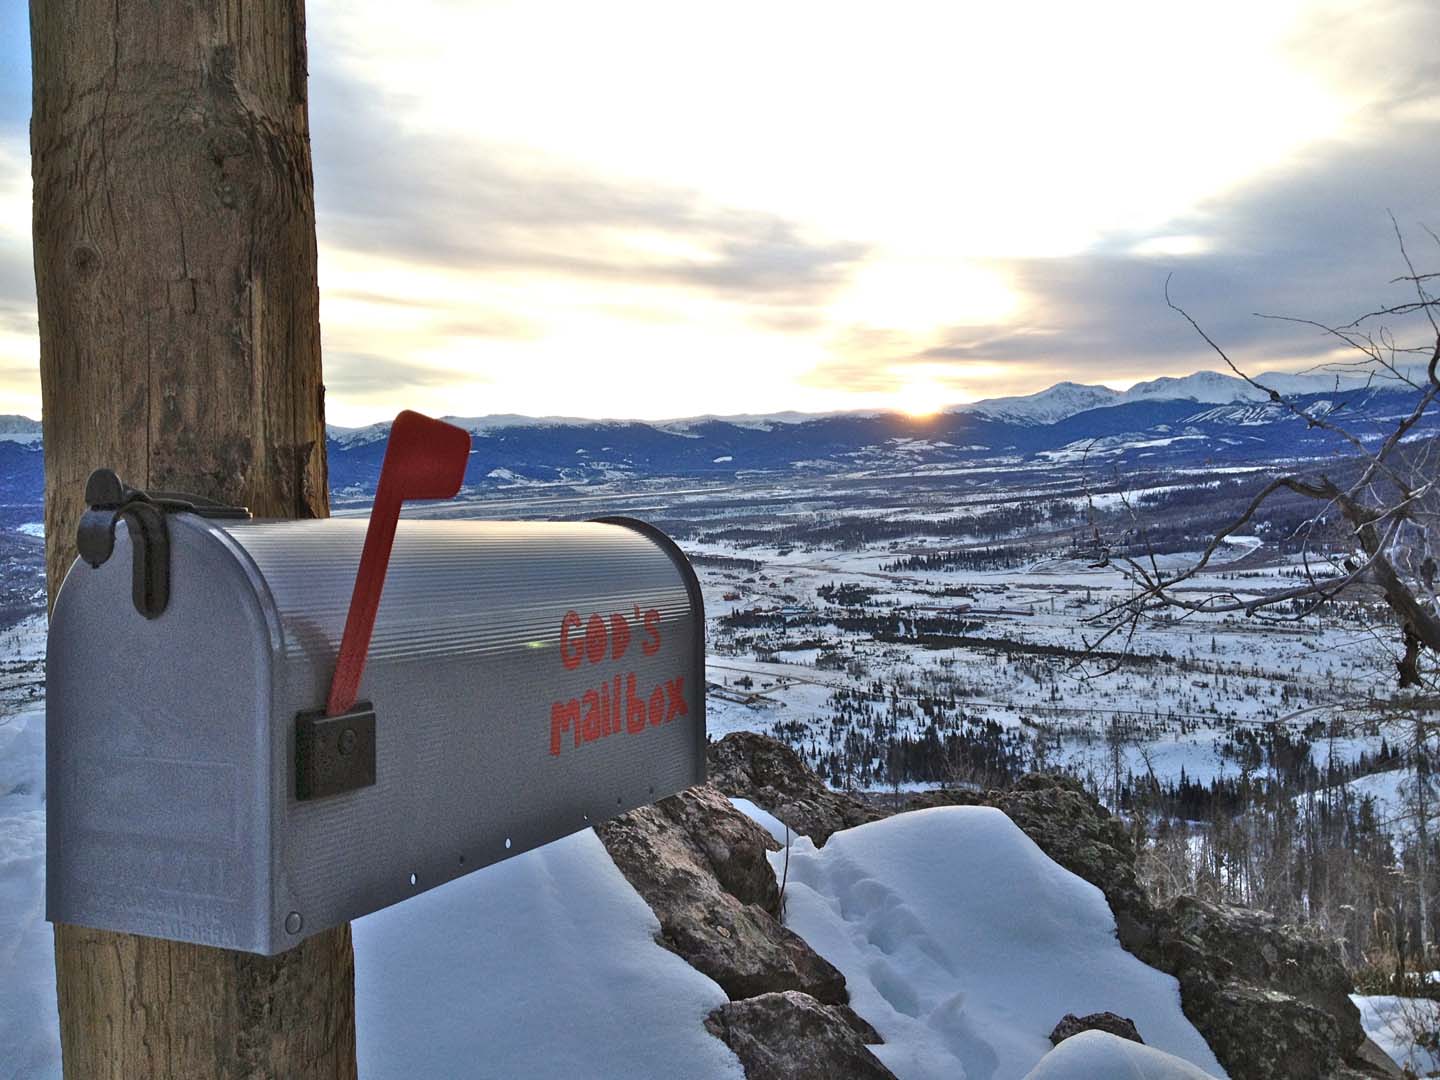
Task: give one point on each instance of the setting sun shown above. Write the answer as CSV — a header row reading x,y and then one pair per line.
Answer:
x,y
921,398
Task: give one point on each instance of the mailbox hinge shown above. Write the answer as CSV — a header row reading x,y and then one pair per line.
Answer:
x,y
109,500
334,754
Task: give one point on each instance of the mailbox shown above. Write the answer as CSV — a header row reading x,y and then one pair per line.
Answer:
x,y
219,772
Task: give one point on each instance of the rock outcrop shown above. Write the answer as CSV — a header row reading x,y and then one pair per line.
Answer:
x,y
791,1036
770,774
701,866
1070,1024
1272,1000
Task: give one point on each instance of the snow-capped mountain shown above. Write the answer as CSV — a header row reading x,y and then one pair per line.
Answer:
x,y
1068,399
476,425
1207,417
1048,406
20,429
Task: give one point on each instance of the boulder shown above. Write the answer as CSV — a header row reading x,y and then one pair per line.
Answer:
x,y
924,800
1254,948
1271,1000
701,866
770,774
791,1036
1112,1023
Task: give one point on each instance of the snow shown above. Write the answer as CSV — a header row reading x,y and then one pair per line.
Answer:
x,y
545,964
1066,399
29,1027
1049,406
964,945
492,973
782,833
961,941
1393,1022
1098,1055
32,528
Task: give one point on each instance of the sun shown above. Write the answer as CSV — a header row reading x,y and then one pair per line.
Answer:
x,y
920,399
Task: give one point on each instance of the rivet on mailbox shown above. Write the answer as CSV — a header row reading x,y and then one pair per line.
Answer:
x,y
261,729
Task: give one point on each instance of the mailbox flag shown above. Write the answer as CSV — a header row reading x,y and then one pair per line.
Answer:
x,y
424,459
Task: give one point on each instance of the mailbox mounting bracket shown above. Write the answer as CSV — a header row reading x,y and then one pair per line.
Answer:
x,y
334,754
109,500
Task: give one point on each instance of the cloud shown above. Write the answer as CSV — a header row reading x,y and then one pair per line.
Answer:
x,y
1312,241
363,375
493,325
17,281
474,206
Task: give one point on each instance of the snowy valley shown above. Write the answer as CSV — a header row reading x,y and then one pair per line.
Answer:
x,y
925,610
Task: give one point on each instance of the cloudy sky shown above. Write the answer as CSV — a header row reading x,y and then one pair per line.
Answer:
x,y
639,209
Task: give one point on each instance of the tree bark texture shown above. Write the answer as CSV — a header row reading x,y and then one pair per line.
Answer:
x,y
175,266
174,226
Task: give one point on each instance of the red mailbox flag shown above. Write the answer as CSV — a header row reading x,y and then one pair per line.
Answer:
x,y
424,459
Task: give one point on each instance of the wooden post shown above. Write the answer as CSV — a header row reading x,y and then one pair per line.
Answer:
x,y
174,235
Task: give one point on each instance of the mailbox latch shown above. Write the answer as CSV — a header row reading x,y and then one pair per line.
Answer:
x,y
334,754
109,500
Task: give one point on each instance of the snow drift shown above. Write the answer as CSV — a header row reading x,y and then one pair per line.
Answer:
x,y
964,944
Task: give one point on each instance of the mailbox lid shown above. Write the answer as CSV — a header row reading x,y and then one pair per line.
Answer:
x,y
460,587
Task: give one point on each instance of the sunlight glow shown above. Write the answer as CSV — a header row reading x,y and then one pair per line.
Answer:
x,y
921,399
919,294
762,207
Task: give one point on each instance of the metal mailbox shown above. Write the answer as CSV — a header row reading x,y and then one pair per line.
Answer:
x,y
524,679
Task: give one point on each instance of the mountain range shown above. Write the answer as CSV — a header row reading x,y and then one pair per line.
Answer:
x,y
1206,417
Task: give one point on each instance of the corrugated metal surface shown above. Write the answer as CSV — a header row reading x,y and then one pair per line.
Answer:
x,y
457,587
491,738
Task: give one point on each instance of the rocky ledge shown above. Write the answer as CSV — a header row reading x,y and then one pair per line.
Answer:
x,y
1272,1000
701,866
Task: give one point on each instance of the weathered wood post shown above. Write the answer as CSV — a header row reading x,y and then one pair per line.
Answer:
x,y
174,232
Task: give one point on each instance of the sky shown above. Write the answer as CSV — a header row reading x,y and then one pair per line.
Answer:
x,y
653,210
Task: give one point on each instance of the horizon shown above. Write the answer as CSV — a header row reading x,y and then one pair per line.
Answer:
x,y
633,219
1348,378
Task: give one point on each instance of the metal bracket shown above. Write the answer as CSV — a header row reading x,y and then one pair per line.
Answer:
x,y
109,500
334,754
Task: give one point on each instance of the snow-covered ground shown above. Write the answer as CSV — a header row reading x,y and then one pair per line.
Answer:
x,y
458,982
542,965
962,942
1193,694
1394,1023
1096,1055
964,945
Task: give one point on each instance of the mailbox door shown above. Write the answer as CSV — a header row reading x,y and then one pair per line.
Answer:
x,y
158,749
